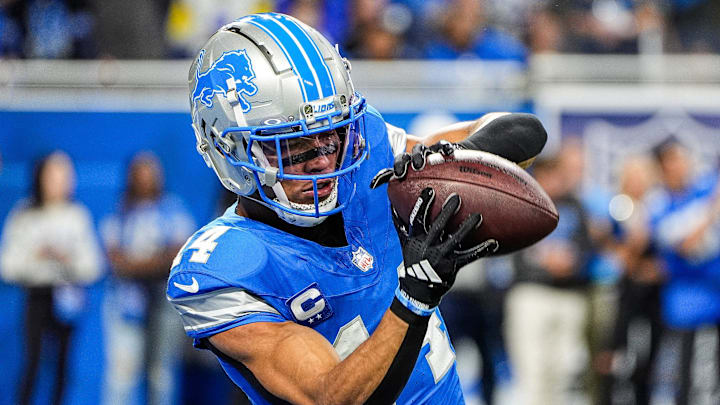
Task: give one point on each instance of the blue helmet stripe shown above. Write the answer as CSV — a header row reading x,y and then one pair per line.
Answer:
x,y
282,48
308,54
291,49
316,58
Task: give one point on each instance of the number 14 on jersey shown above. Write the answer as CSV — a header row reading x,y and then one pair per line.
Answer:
x,y
440,357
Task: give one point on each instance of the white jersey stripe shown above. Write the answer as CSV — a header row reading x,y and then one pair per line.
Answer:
x,y
248,307
231,317
218,307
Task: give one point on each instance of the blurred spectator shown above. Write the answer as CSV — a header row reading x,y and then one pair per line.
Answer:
x,y
189,23
603,271
331,17
686,228
378,32
696,26
546,309
379,43
437,29
596,26
49,247
10,28
639,287
464,33
601,26
58,29
473,311
144,335
545,33
47,29
131,29
311,12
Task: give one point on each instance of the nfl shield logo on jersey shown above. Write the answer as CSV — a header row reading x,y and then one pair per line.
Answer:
x,y
362,259
309,306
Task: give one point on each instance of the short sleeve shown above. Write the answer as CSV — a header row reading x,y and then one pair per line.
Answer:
x,y
207,313
397,138
211,286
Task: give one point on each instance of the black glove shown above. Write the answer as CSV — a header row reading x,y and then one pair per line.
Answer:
x,y
516,137
430,256
415,159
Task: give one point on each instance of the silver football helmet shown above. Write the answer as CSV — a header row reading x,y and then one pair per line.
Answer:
x,y
272,102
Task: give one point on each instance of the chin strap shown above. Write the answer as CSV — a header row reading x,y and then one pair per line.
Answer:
x,y
234,100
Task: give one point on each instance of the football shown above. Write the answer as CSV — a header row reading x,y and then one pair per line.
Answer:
x,y
516,210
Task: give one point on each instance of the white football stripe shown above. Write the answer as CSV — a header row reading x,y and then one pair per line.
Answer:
x,y
411,272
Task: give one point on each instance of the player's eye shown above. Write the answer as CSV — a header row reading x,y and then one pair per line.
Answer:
x,y
324,149
295,151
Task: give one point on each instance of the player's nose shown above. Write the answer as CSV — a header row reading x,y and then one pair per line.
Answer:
x,y
319,164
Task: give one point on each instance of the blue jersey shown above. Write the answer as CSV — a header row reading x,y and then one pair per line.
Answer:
x,y
236,271
691,295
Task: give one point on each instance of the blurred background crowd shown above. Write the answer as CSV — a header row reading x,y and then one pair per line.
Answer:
x,y
620,305
607,309
375,29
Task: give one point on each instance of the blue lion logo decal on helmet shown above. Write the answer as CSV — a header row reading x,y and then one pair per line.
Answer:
x,y
234,65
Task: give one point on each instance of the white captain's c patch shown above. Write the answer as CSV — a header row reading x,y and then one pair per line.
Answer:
x,y
309,307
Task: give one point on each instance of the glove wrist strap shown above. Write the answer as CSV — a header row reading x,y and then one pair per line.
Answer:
x,y
414,306
409,317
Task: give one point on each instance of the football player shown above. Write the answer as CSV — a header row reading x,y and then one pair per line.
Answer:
x,y
304,289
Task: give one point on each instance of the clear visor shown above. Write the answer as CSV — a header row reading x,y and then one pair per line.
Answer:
x,y
307,163
316,154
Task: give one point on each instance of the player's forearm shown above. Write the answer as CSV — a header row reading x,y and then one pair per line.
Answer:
x,y
517,137
453,133
354,379
459,131
298,365
403,356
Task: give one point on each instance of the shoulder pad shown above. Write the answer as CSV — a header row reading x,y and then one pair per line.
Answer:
x,y
217,256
